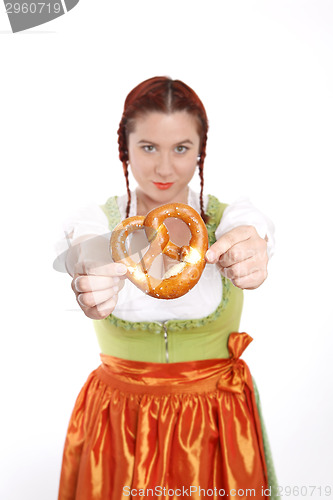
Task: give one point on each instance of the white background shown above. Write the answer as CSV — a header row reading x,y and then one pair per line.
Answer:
x,y
264,70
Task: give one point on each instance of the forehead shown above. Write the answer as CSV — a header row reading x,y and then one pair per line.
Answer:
x,y
175,126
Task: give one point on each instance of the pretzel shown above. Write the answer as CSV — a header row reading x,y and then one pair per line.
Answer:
x,y
182,276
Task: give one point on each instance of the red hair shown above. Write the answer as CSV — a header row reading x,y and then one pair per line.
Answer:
x,y
163,95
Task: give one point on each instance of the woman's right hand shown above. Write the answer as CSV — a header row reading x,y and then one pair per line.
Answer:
x,y
96,289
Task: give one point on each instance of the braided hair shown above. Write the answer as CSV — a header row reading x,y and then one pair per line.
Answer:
x,y
164,95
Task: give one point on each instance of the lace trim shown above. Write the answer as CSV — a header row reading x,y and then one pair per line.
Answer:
x,y
213,208
173,325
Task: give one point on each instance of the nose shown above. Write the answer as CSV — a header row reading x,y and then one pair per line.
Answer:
x,y
163,166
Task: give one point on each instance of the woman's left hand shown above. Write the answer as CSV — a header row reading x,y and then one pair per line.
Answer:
x,y
242,257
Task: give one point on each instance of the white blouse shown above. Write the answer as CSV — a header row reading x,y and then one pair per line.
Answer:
x,y
203,299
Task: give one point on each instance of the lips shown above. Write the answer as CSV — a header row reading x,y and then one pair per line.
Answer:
x,y
163,185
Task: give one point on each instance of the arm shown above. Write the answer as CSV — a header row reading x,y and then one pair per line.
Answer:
x,y
245,241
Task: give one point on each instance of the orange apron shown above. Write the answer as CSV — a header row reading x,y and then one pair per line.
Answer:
x,y
159,430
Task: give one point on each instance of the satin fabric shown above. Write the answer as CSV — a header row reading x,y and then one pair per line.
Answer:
x,y
167,431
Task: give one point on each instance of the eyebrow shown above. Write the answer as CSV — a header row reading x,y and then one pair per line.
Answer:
x,y
144,141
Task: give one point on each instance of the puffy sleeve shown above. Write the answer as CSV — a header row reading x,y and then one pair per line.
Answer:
x,y
87,220
244,213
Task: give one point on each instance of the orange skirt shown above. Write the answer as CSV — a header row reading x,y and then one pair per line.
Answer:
x,y
166,431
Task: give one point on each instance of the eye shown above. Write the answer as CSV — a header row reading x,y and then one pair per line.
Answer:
x,y
181,149
149,148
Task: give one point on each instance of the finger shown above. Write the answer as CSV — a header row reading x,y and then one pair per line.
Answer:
x,y
94,283
73,284
92,299
101,311
241,269
227,241
238,253
251,281
107,307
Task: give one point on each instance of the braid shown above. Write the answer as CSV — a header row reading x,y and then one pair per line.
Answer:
x,y
128,190
200,165
123,156
202,212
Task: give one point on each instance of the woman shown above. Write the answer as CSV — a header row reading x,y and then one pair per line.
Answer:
x,y
172,410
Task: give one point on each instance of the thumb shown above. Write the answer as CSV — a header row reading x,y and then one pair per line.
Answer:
x,y
213,254
222,245
94,268
225,242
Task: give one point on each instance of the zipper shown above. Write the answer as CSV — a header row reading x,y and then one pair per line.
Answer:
x,y
166,342
163,324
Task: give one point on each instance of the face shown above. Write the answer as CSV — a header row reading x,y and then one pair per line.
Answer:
x,y
163,150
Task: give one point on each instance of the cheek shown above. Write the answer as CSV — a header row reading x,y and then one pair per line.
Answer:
x,y
134,158
186,172
134,155
189,165
141,165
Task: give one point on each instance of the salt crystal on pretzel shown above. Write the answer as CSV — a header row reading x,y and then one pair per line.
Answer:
x,y
181,277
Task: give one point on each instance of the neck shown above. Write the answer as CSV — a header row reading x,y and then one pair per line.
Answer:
x,y
145,204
